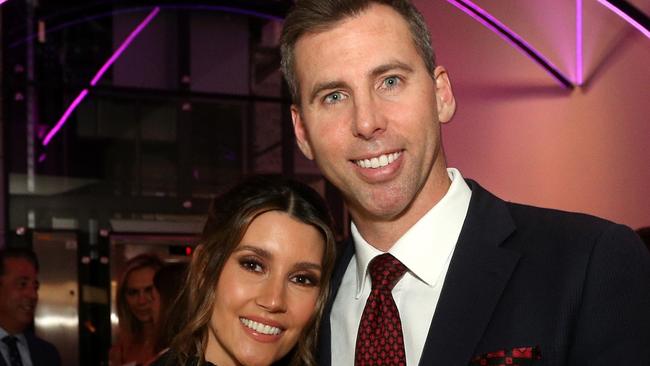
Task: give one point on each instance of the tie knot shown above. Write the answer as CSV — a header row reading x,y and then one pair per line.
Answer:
x,y
385,271
10,340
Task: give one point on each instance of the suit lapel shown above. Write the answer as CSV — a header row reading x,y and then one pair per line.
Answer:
x,y
478,273
325,336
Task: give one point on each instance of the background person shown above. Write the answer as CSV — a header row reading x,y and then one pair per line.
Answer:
x,y
136,305
255,290
444,271
19,284
168,282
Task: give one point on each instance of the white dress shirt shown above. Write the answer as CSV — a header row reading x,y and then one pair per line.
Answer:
x,y
426,250
21,344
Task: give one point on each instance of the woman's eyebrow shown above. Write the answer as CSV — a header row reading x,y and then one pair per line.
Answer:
x,y
257,250
308,266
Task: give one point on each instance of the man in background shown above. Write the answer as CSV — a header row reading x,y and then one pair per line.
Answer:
x,y
18,299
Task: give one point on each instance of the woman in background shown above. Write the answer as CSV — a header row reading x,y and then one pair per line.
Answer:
x,y
256,288
136,305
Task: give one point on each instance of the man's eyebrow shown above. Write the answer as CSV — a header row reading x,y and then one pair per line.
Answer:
x,y
393,65
326,85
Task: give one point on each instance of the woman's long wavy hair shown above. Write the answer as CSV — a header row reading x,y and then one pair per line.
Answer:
x,y
228,219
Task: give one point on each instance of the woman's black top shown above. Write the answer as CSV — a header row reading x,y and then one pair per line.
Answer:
x,y
170,359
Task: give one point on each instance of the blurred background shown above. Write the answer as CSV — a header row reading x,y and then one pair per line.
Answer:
x,y
122,119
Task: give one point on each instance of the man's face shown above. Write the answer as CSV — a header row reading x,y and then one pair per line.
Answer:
x,y
370,115
18,294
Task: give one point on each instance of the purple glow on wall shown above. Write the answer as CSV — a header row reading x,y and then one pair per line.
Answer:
x,y
499,28
99,74
65,117
3,1
118,52
579,48
630,14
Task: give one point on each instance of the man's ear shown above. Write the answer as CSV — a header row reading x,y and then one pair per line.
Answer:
x,y
300,130
444,95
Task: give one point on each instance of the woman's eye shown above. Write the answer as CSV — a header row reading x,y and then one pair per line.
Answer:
x,y
251,265
305,280
334,98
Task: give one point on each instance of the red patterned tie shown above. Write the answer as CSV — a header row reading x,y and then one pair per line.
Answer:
x,y
380,340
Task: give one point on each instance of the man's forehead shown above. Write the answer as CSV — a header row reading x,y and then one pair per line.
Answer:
x,y
19,265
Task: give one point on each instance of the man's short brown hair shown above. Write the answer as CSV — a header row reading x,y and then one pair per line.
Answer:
x,y
314,16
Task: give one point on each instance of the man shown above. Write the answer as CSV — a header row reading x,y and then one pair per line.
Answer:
x,y
476,280
18,299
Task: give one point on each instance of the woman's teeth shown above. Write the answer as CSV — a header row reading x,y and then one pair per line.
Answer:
x,y
259,327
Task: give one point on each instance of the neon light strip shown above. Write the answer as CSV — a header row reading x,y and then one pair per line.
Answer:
x,y
65,116
124,45
579,48
118,52
495,25
631,14
3,1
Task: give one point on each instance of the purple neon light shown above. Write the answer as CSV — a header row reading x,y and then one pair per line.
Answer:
x,y
579,49
65,116
630,14
99,74
3,1
118,52
511,37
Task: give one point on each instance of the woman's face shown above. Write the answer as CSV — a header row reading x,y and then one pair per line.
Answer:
x,y
140,293
267,292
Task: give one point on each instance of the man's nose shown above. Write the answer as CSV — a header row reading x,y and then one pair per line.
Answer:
x,y
32,292
368,119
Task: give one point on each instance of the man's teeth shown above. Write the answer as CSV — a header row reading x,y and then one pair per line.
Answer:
x,y
378,161
259,327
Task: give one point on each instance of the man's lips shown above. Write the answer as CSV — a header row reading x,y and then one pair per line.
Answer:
x,y
378,161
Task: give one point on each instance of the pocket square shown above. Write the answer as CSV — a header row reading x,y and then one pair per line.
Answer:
x,y
520,356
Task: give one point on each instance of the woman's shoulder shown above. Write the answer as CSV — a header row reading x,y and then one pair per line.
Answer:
x,y
166,359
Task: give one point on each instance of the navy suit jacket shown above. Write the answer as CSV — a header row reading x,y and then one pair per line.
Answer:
x,y
575,287
42,352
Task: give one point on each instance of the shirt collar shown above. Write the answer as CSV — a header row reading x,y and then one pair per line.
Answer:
x,y
426,247
20,336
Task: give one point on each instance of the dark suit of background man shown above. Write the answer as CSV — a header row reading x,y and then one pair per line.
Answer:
x,y
18,300
487,281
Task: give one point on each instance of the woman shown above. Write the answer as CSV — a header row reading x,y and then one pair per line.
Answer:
x,y
136,306
256,288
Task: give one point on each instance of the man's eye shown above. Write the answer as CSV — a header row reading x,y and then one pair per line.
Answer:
x,y
391,82
333,98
